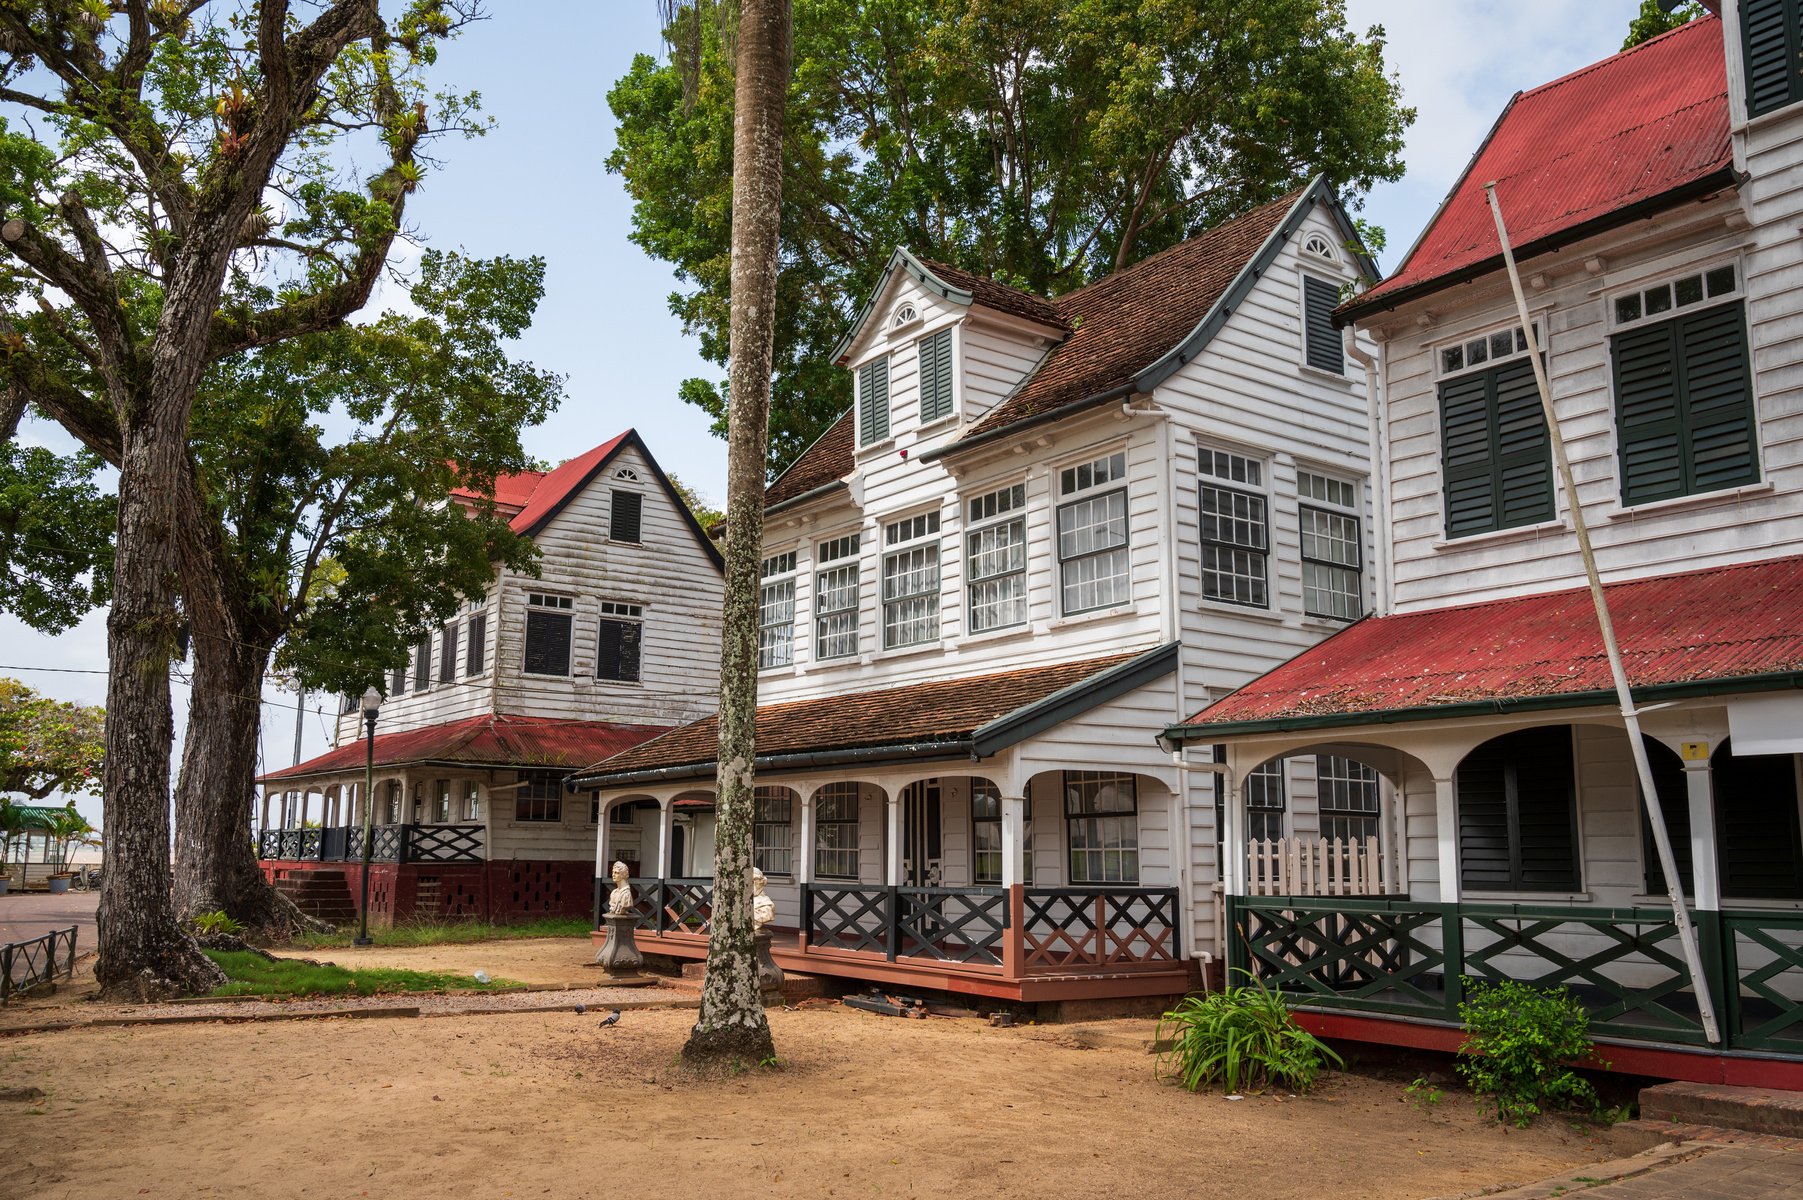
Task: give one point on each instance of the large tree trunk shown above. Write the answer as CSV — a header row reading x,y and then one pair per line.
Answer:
x,y
731,1026
144,954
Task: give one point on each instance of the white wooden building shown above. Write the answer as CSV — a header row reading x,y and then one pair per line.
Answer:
x,y
1653,205
615,640
1045,529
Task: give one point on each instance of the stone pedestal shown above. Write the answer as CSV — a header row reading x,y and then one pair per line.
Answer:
x,y
620,956
770,976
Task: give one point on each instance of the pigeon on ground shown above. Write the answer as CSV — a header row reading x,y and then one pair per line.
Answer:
x,y
581,1008
611,1018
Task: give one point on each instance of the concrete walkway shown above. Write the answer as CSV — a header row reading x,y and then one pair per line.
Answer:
x,y
25,915
1716,1164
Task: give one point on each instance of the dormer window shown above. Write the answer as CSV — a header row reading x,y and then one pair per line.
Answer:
x,y
936,376
907,314
1318,245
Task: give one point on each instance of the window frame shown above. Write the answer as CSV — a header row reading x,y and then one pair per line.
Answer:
x,y
549,606
1267,792
991,511
1209,476
1515,863
1331,782
1073,491
1312,323
839,793
838,556
1308,504
764,839
776,573
1098,822
989,829
622,613
615,495
899,542
1498,461
531,789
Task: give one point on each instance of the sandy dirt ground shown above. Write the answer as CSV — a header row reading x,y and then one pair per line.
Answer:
x,y
554,1105
541,962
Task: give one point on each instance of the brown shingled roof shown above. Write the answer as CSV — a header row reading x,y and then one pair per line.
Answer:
x,y
999,296
946,711
827,461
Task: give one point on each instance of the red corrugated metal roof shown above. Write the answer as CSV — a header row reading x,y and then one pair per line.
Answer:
x,y
536,495
1628,129
1702,625
497,740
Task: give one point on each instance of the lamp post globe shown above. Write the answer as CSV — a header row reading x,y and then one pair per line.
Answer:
x,y
372,704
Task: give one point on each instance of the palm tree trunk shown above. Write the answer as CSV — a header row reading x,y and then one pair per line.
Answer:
x,y
731,1026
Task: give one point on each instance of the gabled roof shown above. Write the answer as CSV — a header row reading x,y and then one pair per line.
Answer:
x,y
954,285
497,740
1638,131
1701,632
539,496
952,718
1127,332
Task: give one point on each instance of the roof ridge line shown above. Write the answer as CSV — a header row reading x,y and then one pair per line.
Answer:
x,y
1620,54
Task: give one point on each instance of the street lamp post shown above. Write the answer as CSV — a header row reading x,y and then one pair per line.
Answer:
x,y
372,702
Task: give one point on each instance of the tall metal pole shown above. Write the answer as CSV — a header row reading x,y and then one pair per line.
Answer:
x,y
1630,716
369,808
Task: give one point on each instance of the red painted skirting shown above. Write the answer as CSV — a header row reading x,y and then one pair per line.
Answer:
x,y
1663,1062
501,891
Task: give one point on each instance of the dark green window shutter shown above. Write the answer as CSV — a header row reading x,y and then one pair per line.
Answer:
x,y
936,376
1674,802
1493,451
447,653
1518,814
547,643
1756,833
1684,406
617,654
1769,41
873,402
1321,341
476,661
626,516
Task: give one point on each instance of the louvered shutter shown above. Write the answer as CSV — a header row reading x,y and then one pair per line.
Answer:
x,y
1674,803
1717,399
1494,451
618,655
547,643
1321,341
477,660
447,653
1646,413
1756,831
397,682
1518,814
1484,858
936,376
1465,455
625,518
1524,473
1769,39
873,402
422,665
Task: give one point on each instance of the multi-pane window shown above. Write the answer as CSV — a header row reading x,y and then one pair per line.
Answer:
x,y
911,581
397,682
836,831
776,611
1332,555
422,665
476,658
617,648
997,563
873,402
986,836
472,801
1093,571
548,633
447,653
1772,46
392,808
1266,801
1101,813
441,808
1321,346
539,797
625,516
1494,454
1683,387
936,376
772,843
1347,798
1236,528
836,598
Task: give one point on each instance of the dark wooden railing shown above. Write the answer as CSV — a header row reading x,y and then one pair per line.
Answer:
x,y
1086,928
391,843
27,964
1626,965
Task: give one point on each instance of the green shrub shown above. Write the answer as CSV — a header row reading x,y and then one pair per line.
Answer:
x,y
216,922
1518,1040
1241,1037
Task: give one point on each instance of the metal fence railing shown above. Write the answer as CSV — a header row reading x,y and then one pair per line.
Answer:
x,y
25,965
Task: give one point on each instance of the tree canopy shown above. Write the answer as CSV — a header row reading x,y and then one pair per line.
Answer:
x,y
1041,142
1652,20
48,745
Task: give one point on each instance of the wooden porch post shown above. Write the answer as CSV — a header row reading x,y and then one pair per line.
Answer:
x,y
1446,824
1699,785
666,833
1014,849
892,840
804,857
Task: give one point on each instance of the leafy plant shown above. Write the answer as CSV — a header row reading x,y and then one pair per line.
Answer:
x,y
1241,1037
208,923
1519,1042
1424,1094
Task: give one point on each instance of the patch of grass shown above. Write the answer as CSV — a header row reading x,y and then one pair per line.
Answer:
x,y
450,933
253,975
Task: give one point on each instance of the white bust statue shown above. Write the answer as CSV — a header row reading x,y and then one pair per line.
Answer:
x,y
763,908
621,899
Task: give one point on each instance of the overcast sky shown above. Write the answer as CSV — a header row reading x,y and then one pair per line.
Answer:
x,y
538,186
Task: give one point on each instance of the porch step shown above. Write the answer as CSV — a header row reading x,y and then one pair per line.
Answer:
x,y
323,895
1750,1109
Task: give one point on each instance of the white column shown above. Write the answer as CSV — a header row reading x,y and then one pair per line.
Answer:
x,y
266,800
666,833
804,860
602,865
1014,842
1446,824
892,842
1233,834
1699,783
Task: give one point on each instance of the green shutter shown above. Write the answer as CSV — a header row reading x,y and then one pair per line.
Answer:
x,y
1757,836
1484,859
1518,814
936,376
1321,341
1494,451
1524,472
1465,455
1769,37
873,402
1684,406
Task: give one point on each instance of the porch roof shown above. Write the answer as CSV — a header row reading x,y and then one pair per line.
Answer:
x,y
495,740
1701,632
971,717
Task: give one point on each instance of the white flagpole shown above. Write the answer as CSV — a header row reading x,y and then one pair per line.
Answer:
x,y
1629,715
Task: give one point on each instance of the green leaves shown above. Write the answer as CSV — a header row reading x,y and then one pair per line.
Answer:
x,y
56,535
1042,142
1518,1043
1240,1037
49,745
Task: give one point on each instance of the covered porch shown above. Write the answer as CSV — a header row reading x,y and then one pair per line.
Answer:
x,y
1521,846
1046,866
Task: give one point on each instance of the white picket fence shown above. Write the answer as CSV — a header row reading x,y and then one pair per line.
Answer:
x,y
1315,867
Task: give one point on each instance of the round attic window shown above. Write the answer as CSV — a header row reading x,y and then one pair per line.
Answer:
x,y
907,314
1318,245
627,474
